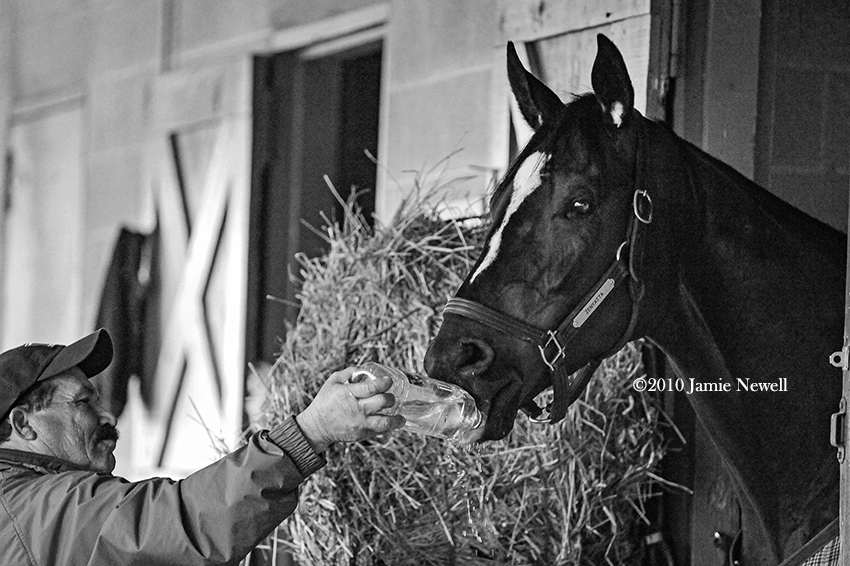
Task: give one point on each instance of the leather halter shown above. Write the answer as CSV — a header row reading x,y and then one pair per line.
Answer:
x,y
552,344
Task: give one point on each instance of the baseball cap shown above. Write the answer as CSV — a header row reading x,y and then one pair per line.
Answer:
x,y
24,366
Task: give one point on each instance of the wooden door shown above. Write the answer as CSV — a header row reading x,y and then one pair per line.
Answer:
x,y
198,159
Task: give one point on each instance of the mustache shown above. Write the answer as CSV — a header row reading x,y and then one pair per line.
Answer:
x,y
106,432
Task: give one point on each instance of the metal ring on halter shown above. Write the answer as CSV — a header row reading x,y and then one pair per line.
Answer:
x,y
644,216
539,420
620,249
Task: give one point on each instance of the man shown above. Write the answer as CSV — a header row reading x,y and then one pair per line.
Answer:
x,y
60,505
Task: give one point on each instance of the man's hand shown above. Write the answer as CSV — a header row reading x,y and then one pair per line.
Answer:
x,y
345,412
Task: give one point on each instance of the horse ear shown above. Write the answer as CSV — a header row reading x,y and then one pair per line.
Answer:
x,y
611,82
537,103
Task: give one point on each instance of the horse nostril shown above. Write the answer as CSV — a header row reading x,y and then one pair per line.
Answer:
x,y
475,358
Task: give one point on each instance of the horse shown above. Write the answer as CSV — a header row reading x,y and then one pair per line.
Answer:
x,y
608,228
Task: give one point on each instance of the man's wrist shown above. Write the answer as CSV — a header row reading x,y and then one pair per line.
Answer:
x,y
291,439
311,433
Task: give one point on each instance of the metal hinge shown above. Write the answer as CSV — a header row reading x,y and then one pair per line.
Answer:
x,y
837,429
838,422
839,359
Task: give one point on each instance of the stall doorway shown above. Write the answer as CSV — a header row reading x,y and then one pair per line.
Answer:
x,y
315,115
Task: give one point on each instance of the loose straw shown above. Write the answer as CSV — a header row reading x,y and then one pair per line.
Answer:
x,y
575,493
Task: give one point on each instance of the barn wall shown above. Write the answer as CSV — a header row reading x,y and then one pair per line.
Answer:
x,y
731,82
445,93
100,95
293,13
445,87
803,150
43,124
6,94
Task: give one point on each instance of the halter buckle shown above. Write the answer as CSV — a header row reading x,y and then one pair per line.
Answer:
x,y
559,355
540,419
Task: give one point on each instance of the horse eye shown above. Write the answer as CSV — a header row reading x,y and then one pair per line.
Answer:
x,y
580,207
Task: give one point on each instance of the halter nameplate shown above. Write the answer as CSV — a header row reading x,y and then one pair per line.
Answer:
x,y
594,302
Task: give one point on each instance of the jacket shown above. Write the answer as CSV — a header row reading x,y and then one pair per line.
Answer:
x,y
130,311
55,514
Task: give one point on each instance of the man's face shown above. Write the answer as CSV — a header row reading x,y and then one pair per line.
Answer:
x,y
74,427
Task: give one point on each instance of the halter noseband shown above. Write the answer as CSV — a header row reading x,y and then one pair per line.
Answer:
x,y
552,343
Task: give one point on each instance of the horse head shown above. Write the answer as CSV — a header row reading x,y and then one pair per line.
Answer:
x,y
732,284
556,287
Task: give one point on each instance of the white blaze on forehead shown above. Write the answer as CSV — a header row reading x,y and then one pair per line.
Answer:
x,y
527,179
617,112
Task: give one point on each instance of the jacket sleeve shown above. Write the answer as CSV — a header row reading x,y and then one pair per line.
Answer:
x,y
214,516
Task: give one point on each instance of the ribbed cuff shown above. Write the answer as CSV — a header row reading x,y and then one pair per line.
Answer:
x,y
289,438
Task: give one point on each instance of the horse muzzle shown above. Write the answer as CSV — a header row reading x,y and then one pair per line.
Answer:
x,y
471,363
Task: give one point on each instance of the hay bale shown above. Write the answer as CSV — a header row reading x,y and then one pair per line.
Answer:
x,y
567,494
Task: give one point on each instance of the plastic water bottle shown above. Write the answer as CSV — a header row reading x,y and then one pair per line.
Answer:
x,y
431,407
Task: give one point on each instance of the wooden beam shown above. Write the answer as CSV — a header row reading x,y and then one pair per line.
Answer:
x,y
329,28
529,20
